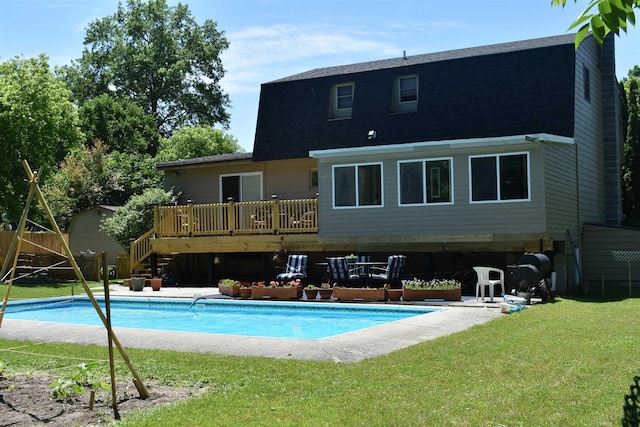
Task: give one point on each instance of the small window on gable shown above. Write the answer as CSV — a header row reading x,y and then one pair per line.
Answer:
x,y
341,101
586,81
405,94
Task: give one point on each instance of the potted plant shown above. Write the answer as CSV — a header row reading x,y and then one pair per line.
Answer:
x,y
155,283
311,291
325,291
279,290
229,287
245,290
137,283
417,290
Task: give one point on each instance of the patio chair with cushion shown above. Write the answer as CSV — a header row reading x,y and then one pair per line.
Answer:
x,y
339,272
296,268
484,280
392,273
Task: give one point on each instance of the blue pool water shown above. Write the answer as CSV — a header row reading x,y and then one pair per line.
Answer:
x,y
244,318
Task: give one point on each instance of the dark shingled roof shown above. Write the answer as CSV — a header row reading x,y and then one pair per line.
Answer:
x,y
505,89
431,57
204,160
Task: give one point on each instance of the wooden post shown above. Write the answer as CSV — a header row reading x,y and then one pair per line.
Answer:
x,y
276,214
107,304
629,268
231,215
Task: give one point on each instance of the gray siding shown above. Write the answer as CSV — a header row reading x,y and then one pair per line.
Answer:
x,y
84,234
589,135
613,136
467,221
560,190
598,242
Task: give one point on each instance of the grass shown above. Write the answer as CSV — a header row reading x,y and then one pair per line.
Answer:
x,y
30,289
567,363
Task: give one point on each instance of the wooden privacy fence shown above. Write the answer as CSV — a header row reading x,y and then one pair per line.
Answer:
x,y
34,242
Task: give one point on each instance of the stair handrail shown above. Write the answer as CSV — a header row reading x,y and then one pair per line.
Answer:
x,y
140,249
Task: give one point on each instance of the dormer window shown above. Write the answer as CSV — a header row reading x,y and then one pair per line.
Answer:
x,y
405,94
408,89
341,101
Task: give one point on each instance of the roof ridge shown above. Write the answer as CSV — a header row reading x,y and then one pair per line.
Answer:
x,y
491,49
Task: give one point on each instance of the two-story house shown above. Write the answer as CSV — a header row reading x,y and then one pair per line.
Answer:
x,y
458,158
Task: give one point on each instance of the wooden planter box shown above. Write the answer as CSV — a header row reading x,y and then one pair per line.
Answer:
x,y
294,292
364,294
232,291
423,294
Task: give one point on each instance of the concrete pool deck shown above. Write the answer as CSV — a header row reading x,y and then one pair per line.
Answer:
x,y
345,348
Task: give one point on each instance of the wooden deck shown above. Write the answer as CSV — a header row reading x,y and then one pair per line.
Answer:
x,y
262,226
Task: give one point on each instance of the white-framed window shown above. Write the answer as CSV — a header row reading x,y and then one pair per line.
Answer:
x,y
408,89
357,185
242,187
341,101
405,94
425,181
499,178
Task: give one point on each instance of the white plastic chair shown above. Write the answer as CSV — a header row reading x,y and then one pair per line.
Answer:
x,y
484,280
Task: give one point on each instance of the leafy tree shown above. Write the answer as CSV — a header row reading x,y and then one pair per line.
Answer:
x,y
611,16
199,141
120,124
94,176
38,123
160,58
136,217
631,167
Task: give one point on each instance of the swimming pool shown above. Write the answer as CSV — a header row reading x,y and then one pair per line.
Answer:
x,y
242,318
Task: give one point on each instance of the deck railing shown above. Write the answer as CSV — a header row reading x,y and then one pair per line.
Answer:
x,y
226,219
263,217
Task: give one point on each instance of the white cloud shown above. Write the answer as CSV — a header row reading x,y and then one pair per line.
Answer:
x,y
260,54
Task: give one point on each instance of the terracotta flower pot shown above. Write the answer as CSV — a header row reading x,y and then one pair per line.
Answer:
x,y
325,293
311,293
394,294
156,283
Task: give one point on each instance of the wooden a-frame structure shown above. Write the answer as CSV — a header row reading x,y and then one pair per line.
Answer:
x,y
14,249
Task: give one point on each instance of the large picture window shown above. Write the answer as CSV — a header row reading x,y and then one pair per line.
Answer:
x,y
425,181
501,177
357,185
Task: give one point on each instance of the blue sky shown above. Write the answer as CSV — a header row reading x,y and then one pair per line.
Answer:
x,y
271,39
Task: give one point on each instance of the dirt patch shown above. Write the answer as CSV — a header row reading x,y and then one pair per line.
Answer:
x,y
26,400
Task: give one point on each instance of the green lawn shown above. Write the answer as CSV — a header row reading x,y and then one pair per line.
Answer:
x,y
567,363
